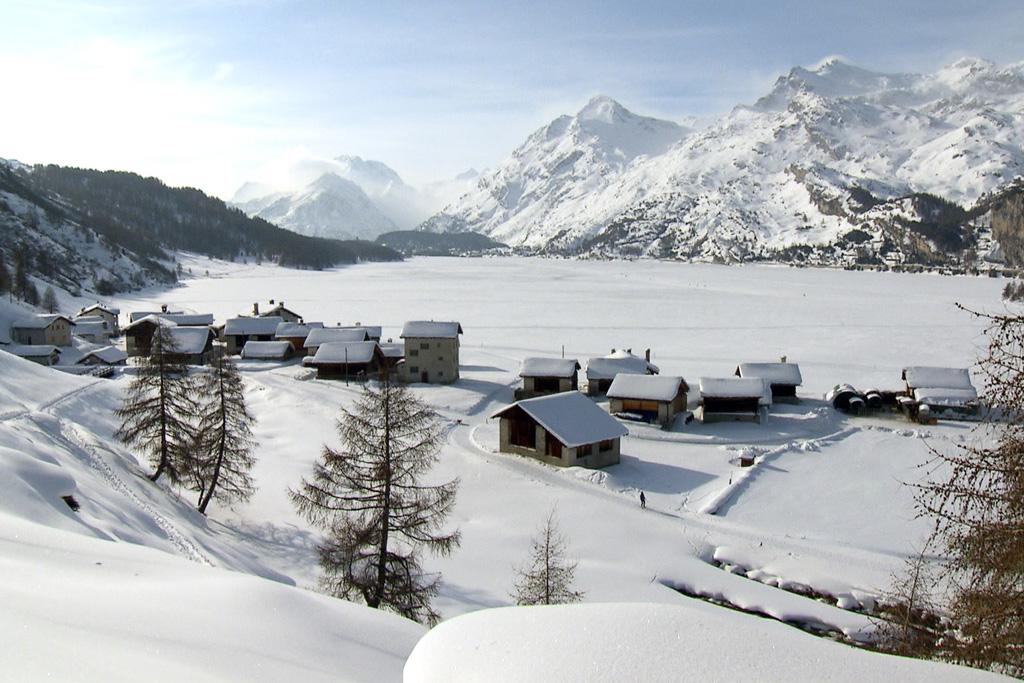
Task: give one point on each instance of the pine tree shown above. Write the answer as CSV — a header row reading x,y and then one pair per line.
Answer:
x,y
378,515
50,304
157,408
31,294
5,276
223,457
548,580
21,282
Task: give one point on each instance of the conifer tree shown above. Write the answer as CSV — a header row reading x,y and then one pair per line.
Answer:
x,y
50,304
157,408
21,282
548,580
222,458
378,515
5,275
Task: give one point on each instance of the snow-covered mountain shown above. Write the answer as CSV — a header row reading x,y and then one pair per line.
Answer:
x,y
373,199
799,168
330,206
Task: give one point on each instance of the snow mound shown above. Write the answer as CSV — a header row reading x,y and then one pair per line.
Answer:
x,y
648,642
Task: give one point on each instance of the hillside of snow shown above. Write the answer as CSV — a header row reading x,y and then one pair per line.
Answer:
x,y
800,167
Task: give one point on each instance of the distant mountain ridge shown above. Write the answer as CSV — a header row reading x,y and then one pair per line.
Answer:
x,y
788,175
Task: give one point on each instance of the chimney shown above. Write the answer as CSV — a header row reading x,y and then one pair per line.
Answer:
x,y
782,360
163,308
647,355
272,302
255,308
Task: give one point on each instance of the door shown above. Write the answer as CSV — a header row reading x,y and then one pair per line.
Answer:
x,y
424,377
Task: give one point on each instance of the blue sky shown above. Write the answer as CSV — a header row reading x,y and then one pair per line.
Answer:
x,y
213,93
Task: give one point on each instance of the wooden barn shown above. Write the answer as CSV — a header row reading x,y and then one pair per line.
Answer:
x,y
43,330
355,360
323,335
782,378
601,371
733,398
194,343
238,331
655,398
544,376
43,354
105,356
564,429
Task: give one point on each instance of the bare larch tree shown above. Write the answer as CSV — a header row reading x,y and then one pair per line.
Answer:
x,y
223,442
548,578
157,406
378,515
977,503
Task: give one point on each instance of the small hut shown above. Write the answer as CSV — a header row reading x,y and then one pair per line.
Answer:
x,y
946,391
782,378
267,350
601,371
356,360
655,398
564,429
543,376
733,398
105,356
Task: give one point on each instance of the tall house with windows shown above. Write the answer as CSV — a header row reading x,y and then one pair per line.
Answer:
x,y
431,352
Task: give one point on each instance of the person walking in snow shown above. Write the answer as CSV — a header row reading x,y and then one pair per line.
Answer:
x,y
643,501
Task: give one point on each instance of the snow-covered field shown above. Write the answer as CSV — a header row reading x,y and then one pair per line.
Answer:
x,y
824,507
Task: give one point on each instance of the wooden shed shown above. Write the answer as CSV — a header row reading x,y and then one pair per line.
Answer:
x,y
564,429
733,398
544,376
601,371
782,378
655,398
323,335
357,360
267,350
948,392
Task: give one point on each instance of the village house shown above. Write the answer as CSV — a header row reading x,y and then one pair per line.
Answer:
x,y
733,398
655,398
105,356
92,328
267,350
324,335
543,376
43,354
564,429
295,334
238,331
431,351
179,318
138,334
394,353
946,391
355,360
43,329
373,332
601,371
194,344
782,378
109,314
277,310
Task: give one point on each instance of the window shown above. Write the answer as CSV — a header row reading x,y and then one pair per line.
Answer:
x,y
424,345
413,353
545,384
440,373
522,434
584,450
413,369
606,445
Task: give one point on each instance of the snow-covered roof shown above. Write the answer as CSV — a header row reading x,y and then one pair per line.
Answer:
x,y
190,340
107,354
31,350
621,361
323,335
774,373
646,387
549,367
342,352
430,329
392,350
571,417
295,329
941,396
949,378
278,309
264,350
100,307
40,321
151,319
91,325
373,331
733,387
188,319
244,326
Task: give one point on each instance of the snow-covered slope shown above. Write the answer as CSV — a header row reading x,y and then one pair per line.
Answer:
x,y
330,206
789,170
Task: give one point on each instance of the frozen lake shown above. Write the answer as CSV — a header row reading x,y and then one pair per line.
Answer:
x,y
698,319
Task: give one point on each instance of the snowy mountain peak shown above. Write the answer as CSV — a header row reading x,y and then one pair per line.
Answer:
x,y
605,109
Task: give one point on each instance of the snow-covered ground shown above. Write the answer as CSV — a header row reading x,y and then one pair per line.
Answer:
x,y
823,507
